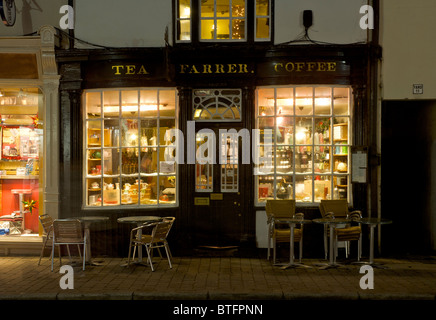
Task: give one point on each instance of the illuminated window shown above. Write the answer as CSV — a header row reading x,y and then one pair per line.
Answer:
x,y
262,29
304,139
183,13
222,20
128,154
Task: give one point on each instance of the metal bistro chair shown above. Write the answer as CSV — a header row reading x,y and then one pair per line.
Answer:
x,y
339,209
279,232
47,227
65,232
157,239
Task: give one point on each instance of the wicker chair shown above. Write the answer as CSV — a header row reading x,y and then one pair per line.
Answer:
x,y
339,209
47,228
65,232
157,239
280,232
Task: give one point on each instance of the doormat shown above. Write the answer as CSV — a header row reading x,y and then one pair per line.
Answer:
x,y
216,251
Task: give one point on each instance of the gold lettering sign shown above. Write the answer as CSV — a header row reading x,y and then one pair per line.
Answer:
x,y
215,68
216,196
316,66
129,69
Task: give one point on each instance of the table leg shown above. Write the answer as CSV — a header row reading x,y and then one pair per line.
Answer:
x,y
89,259
332,254
292,264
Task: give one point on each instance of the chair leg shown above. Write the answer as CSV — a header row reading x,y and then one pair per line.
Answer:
x,y
52,256
301,249
148,249
42,251
325,243
274,251
80,254
167,249
69,254
130,250
84,253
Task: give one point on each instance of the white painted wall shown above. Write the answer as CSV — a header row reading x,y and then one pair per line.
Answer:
x,y
127,23
32,15
409,48
334,21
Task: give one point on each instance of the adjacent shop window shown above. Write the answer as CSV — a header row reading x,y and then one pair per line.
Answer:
x,y
183,13
217,104
21,132
304,133
128,154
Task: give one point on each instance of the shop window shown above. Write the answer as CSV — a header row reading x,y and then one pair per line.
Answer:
x,y
21,147
217,104
223,20
305,134
128,158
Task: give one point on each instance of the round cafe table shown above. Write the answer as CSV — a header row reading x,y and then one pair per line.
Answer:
x,y
87,221
292,222
331,222
139,221
373,222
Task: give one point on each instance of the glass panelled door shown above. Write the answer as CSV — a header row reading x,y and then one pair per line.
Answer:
x,y
219,185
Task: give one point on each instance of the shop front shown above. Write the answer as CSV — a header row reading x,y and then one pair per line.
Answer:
x,y
28,109
209,137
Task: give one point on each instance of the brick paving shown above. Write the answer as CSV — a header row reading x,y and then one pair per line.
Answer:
x,y
215,278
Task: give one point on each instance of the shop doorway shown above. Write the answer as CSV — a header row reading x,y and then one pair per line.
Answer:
x,y
408,185
220,187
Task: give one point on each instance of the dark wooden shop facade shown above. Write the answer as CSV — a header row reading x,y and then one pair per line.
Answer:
x,y
232,220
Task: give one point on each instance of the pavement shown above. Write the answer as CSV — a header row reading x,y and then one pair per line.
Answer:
x,y
208,278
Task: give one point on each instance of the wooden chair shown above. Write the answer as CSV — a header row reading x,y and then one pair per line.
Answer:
x,y
280,232
347,233
157,239
47,228
66,232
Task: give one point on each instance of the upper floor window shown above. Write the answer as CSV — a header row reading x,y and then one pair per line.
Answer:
x,y
223,20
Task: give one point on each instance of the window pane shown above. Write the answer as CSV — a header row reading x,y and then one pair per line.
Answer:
x,y
322,188
262,7
323,101
184,9
304,101
111,103
284,188
238,29
303,188
265,102
285,129
262,28
207,8
93,105
129,103
129,133
238,8
223,31
303,130
285,159
167,103
341,101
285,101
148,103
207,29
184,30
222,8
